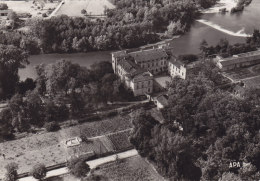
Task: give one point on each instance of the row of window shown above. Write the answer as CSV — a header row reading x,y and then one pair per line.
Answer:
x,y
141,85
153,60
152,64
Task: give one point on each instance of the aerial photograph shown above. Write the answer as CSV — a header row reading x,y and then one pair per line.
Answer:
x,y
129,90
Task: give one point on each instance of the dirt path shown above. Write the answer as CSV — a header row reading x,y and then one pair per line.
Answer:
x,y
92,164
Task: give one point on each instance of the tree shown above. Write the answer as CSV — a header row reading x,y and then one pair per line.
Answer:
x,y
14,18
83,11
78,167
6,128
11,172
11,59
52,126
230,176
24,86
3,6
39,171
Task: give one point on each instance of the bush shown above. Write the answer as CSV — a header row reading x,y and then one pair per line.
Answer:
x,y
3,6
83,11
78,167
44,15
112,113
39,171
11,172
52,126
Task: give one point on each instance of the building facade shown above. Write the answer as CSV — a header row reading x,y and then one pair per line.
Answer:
x,y
238,61
177,69
136,68
153,60
135,78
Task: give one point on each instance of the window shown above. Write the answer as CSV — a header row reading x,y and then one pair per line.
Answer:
x,y
149,90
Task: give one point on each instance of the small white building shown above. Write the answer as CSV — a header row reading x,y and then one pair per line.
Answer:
x,y
161,101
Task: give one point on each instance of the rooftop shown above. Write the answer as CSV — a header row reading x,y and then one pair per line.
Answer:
x,y
243,57
150,54
253,82
163,99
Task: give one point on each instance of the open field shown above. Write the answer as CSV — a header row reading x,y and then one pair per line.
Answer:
x,y
133,168
93,7
129,169
49,148
29,7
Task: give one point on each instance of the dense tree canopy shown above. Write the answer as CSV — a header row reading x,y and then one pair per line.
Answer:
x,y
11,59
216,128
131,24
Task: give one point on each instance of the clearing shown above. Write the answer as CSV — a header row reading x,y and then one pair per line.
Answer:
x,y
29,7
133,168
128,169
93,7
49,148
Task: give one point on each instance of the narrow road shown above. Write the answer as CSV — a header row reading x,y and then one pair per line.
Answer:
x,y
91,163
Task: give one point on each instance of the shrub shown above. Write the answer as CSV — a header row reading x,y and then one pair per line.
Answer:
x,y
39,171
3,6
44,15
83,11
52,126
11,172
78,167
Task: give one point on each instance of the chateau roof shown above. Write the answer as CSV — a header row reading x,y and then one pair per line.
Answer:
x,y
163,100
142,75
253,82
150,54
176,62
240,58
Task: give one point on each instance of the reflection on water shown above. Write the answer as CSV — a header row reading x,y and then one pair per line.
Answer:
x,y
84,59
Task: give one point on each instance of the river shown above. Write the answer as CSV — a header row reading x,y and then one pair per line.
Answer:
x,y
211,26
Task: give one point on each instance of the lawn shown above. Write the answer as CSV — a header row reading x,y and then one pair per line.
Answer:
x,y
49,148
93,7
29,7
129,169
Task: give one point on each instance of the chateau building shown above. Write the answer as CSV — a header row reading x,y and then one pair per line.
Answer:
x,y
136,68
152,60
135,78
237,61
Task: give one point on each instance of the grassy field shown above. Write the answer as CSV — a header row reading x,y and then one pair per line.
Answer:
x,y
93,7
49,148
29,7
129,169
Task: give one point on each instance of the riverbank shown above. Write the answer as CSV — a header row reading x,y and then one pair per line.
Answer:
x,y
227,4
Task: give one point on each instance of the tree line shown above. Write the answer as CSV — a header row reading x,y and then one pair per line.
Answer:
x,y
131,24
225,49
61,91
